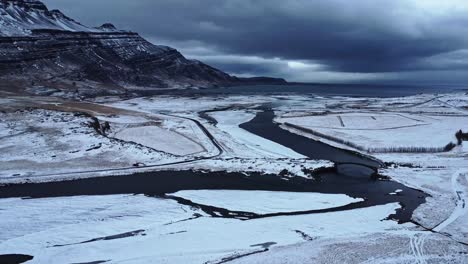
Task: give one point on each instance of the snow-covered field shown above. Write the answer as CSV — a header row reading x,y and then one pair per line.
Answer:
x,y
59,145
357,121
379,131
139,229
442,175
170,132
87,229
160,139
40,142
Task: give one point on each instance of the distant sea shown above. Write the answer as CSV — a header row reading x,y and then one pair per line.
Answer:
x,y
353,90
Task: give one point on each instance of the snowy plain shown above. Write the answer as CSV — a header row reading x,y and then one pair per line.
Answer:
x,y
41,142
379,131
160,139
168,232
140,229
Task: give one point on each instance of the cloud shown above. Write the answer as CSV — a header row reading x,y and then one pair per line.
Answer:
x,y
304,40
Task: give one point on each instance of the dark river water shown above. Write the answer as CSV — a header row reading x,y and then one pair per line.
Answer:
x,y
161,183
263,125
14,258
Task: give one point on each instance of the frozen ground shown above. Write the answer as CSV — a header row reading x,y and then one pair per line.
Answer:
x,y
411,121
160,139
165,133
40,142
377,248
140,229
380,131
264,202
294,167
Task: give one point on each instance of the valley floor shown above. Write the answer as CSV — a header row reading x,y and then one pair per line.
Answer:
x,y
46,139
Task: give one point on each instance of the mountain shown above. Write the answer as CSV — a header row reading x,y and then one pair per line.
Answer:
x,y
44,51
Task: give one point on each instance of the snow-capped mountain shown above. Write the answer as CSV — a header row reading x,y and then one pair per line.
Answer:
x,y
19,18
42,47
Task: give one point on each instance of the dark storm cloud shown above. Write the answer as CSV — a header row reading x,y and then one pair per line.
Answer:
x,y
364,39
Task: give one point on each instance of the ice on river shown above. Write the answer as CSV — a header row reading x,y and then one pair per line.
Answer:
x,y
266,202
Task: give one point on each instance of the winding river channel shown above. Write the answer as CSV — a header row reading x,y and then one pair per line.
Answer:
x,y
374,190
350,162
355,175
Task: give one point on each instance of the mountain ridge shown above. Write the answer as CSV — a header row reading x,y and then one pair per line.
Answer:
x,y
45,48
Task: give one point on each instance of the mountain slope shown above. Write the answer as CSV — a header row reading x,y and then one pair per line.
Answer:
x,y
44,48
17,18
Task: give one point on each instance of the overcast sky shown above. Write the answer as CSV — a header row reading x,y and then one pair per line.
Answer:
x,y
397,41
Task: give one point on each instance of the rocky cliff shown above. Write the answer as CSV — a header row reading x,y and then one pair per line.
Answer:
x,y
45,48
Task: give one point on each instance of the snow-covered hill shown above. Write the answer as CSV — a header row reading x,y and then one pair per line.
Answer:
x,y
44,48
18,18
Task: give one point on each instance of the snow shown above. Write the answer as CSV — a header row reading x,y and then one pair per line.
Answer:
x,y
64,26
65,156
386,130
124,119
176,233
18,19
160,139
428,124
242,151
166,239
266,202
165,103
376,248
52,145
189,129
294,167
461,194
51,213
359,121
431,179
41,142
229,121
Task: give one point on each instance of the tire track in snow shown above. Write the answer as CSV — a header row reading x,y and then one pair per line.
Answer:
x,y
461,198
417,241
417,247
